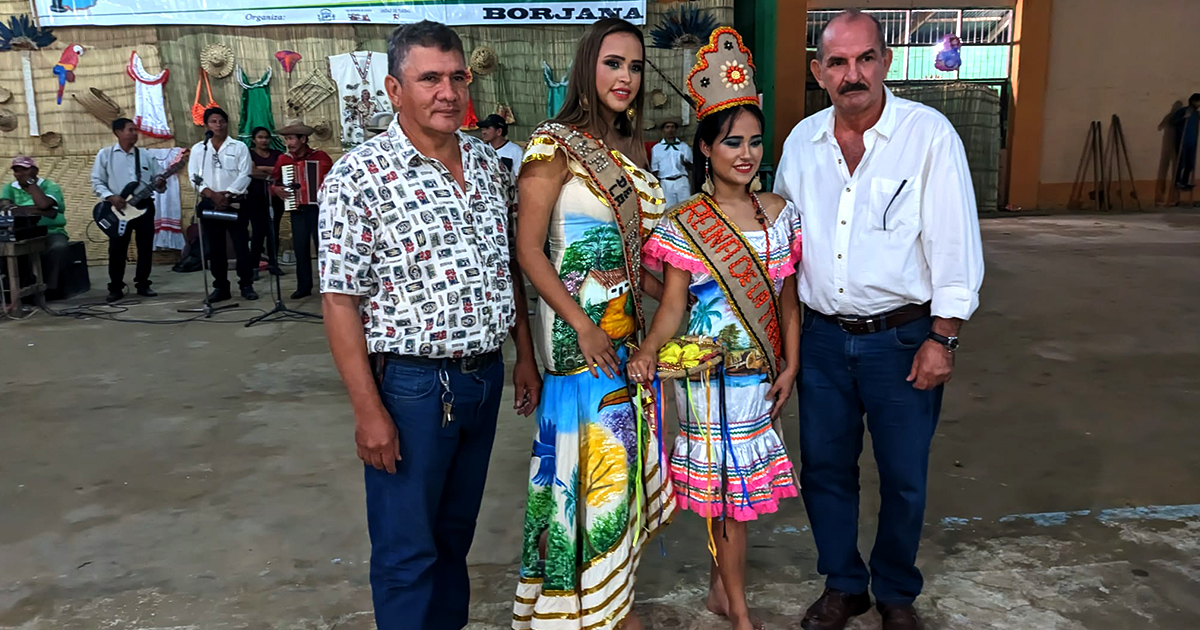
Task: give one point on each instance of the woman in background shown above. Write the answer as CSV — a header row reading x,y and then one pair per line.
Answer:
x,y
261,201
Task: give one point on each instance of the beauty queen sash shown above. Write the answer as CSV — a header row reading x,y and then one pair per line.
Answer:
x,y
610,179
738,270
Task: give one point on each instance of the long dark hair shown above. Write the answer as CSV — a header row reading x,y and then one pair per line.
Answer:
x,y
582,108
711,130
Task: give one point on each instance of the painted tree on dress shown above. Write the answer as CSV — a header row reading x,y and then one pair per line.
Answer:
x,y
703,314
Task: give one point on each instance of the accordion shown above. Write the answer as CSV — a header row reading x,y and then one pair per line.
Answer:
x,y
301,195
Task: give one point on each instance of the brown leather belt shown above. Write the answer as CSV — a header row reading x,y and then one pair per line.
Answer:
x,y
856,325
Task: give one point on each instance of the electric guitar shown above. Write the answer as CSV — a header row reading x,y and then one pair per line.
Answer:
x,y
138,198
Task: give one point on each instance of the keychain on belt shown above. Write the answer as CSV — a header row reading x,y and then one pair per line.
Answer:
x,y
447,399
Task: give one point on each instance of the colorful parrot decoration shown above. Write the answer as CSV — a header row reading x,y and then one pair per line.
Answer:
x,y
65,68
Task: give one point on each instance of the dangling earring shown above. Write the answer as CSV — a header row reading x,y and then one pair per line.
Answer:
x,y
708,186
583,103
631,113
755,184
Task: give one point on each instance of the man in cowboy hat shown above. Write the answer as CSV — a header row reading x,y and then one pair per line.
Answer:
x,y
311,167
494,131
670,160
32,195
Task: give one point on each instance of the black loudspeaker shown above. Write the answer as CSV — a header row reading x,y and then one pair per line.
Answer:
x,y
74,278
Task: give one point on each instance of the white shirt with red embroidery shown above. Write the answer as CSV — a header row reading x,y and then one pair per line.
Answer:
x,y
430,258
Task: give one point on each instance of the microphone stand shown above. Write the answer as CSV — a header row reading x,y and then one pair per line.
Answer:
x,y
207,308
283,312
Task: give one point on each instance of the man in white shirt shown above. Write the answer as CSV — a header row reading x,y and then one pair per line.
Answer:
x,y
892,267
115,168
494,131
670,160
219,169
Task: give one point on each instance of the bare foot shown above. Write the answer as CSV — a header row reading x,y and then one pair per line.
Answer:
x,y
747,622
632,622
717,602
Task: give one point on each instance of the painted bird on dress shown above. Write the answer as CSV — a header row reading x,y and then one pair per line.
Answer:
x,y
65,68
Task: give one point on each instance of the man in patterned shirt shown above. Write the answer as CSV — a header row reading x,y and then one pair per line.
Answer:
x,y
420,291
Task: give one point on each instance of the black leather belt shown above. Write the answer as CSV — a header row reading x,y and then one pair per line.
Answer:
x,y
856,325
466,365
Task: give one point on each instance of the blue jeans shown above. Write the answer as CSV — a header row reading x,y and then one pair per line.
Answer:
x,y
422,518
843,377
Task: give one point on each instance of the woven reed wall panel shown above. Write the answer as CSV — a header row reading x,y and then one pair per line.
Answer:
x,y
520,84
521,50
974,110
14,7
102,66
72,173
254,50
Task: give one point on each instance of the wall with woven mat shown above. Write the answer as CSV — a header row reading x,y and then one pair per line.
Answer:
x,y
102,66
517,82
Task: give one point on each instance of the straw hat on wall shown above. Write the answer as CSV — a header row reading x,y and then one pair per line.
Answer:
x,y
217,60
484,61
8,120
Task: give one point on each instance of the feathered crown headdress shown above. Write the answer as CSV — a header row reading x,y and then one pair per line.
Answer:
x,y
723,76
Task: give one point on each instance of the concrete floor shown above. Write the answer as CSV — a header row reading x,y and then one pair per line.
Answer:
x,y
202,476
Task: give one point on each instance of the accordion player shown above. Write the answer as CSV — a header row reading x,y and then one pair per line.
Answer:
x,y
298,176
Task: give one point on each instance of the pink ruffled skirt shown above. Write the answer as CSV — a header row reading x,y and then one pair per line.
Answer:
x,y
745,454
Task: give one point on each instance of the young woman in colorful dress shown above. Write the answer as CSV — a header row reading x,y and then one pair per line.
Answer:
x,y
736,251
596,492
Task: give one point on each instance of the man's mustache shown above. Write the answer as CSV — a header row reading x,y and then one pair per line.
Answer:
x,y
853,87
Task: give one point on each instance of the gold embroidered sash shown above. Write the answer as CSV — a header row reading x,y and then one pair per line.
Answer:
x,y
610,179
738,270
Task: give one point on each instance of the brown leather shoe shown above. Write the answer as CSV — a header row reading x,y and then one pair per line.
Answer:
x,y
900,618
834,610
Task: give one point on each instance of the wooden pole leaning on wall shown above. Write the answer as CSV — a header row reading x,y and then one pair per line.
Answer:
x,y
1116,156
1110,163
1091,159
1120,134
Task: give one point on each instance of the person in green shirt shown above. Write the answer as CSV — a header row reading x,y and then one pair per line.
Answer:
x,y
30,194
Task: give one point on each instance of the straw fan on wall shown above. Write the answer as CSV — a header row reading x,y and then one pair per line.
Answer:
x,y
684,29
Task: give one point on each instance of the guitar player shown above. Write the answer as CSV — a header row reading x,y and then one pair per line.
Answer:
x,y
115,167
222,167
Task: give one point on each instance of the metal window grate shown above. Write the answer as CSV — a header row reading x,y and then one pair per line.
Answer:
x,y
986,35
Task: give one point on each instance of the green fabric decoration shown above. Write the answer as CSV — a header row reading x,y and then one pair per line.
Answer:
x,y
556,92
256,109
